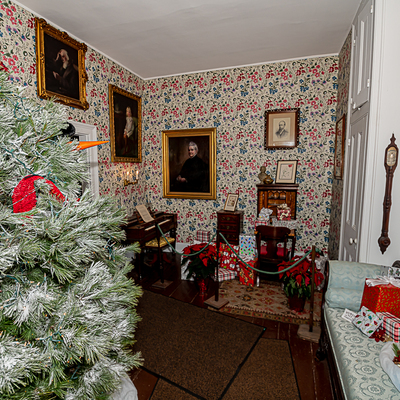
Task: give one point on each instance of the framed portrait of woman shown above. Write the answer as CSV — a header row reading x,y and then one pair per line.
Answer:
x,y
189,163
125,125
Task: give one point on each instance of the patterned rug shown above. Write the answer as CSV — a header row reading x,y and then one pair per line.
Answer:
x,y
266,301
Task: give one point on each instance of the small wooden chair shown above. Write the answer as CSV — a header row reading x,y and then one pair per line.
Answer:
x,y
158,244
272,247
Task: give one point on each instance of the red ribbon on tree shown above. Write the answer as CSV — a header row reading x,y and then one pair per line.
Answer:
x,y
24,195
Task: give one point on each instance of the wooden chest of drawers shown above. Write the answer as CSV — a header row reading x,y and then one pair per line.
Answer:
x,y
230,224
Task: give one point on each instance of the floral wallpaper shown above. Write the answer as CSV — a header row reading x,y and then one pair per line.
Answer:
x,y
234,101
337,186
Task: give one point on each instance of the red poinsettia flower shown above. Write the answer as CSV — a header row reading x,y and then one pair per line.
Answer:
x,y
298,279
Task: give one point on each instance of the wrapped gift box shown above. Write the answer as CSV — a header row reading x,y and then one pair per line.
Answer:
x,y
261,222
382,298
283,214
226,274
246,275
228,258
203,236
247,245
391,325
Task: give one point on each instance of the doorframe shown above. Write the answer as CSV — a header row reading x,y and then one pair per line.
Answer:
x,y
87,132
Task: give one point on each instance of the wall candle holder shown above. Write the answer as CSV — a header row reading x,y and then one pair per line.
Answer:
x,y
127,180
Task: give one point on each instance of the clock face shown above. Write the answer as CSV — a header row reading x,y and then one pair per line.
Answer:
x,y
391,156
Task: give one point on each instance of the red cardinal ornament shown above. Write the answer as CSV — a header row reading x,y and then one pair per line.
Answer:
x,y
24,195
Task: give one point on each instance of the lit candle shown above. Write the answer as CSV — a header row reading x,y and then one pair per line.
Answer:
x,y
137,174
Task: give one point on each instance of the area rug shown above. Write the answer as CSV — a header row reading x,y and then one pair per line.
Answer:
x,y
266,301
266,361
197,351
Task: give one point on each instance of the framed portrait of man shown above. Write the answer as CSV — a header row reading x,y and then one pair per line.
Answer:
x,y
281,128
189,163
60,61
125,125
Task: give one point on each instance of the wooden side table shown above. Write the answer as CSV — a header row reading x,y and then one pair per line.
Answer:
x,y
230,224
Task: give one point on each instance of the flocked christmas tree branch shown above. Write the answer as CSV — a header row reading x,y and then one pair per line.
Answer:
x,y
67,305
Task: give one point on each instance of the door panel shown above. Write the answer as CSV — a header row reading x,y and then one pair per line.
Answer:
x,y
353,196
362,51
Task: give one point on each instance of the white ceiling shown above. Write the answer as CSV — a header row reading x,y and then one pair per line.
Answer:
x,y
154,38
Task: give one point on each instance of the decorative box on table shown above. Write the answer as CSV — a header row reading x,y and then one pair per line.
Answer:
x,y
391,325
228,258
283,212
203,236
382,298
247,276
247,245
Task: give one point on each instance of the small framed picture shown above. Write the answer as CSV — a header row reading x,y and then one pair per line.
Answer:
x,y
286,171
339,147
281,128
231,201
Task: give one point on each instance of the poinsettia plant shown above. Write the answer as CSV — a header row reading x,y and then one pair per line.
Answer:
x,y
203,264
298,279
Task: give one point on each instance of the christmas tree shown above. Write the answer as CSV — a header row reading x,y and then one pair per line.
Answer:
x,y
67,306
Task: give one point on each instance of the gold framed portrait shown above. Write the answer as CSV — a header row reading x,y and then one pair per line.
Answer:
x,y
60,66
125,125
189,163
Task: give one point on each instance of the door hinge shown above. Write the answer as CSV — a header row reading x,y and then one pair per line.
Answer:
x,y
368,82
372,8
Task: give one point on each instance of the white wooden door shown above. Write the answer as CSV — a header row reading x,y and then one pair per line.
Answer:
x,y
354,189
362,53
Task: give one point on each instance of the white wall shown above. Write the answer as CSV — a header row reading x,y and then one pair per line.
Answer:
x,y
385,120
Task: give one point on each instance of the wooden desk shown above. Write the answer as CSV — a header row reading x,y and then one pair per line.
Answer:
x,y
271,196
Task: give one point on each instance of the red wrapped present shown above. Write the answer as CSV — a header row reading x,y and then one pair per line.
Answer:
x,y
203,236
384,298
391,325
246,275
228,258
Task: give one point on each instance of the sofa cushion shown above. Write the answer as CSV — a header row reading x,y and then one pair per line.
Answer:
x,y
344,298
351,275
357,359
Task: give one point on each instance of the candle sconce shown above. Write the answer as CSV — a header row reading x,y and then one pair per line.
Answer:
x,y
128,180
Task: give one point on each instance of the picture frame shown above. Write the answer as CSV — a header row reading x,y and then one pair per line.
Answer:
x,y
60,70
340,134
125,125
231,202
281,128
286,171
187,173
